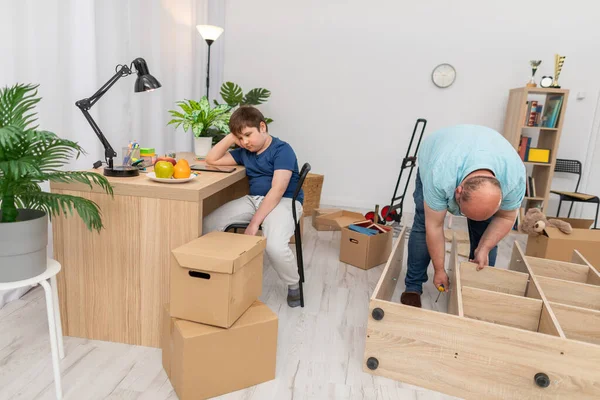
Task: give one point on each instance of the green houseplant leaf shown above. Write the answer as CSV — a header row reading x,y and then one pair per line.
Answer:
x,y
231,93
256,96
29,157
200,117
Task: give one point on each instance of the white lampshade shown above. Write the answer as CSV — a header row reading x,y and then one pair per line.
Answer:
x,y
209,32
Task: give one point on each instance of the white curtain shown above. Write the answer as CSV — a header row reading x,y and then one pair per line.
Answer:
x,y
71,48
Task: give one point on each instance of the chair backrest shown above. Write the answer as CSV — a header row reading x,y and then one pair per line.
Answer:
x,y
569,167
303,172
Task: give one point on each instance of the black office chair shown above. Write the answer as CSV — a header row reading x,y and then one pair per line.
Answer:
x,y
297,236
573,167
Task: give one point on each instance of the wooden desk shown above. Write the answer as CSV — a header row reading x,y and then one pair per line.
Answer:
x,y
113,285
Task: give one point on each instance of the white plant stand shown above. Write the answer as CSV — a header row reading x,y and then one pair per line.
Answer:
x,y
48,281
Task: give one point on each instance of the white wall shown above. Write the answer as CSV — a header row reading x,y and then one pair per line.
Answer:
x,y
71,48
349,78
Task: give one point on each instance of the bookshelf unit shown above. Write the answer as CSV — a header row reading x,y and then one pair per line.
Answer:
x,y
515,126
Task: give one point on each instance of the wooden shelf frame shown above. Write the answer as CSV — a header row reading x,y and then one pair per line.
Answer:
x,y
503,328
548,138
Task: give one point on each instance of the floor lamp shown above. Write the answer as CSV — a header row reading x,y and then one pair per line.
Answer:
x,y
209,33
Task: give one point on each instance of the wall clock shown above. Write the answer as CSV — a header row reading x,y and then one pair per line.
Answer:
x,y
443,75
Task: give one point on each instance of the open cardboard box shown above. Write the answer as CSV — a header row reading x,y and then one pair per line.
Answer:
x,y
319,225
356,248
337,219
555,245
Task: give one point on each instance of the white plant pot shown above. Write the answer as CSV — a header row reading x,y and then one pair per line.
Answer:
x,y
202,146
23,246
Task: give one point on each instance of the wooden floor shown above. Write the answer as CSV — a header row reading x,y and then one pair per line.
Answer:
x,y
320,347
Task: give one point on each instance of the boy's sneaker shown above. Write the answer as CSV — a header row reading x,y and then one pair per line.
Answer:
x,y
293,297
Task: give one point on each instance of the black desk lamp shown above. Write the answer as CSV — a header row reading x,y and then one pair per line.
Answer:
x,y
144,83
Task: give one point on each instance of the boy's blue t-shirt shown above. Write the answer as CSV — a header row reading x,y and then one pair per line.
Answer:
x,y
260,168
448,155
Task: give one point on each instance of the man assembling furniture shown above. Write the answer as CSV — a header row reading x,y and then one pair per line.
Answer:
x,y
466,170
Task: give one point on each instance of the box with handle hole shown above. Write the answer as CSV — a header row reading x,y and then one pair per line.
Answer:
x,y
216,277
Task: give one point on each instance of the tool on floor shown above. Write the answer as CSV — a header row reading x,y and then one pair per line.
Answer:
x,y
389,212
441,289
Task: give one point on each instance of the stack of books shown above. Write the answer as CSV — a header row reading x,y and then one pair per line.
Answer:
x,y
546,117
532,154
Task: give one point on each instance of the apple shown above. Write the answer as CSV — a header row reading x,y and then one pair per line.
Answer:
x,y
163,169
169,159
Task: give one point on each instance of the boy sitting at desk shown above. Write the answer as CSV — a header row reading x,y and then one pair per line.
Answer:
x,y
272,170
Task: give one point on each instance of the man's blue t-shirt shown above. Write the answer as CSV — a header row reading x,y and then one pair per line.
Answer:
x,y
261,167
448,155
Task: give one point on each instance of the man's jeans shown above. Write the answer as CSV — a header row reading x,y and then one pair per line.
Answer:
x,y
418,255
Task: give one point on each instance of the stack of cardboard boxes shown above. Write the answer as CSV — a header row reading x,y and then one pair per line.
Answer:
x,y
217,337
363,244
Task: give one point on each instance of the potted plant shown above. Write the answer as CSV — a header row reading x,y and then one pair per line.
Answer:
x,y
28,157
203,120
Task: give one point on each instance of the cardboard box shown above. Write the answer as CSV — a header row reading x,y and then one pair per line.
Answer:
x,y
216,277
166,342
205,361
555,245
577,223
365,251
338,219
357,249
324,226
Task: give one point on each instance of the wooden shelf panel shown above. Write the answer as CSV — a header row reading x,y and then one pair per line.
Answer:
x,y
540,90
570,293
493,279
543,164
541,128
578,323
534,198
501,308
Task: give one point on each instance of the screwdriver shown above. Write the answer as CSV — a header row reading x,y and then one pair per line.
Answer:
x,y
441,289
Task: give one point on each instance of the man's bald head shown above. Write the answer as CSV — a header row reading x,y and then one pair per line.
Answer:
x,y
479,197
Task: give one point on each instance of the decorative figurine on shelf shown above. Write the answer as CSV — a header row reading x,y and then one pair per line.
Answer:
x,y
558,64
534,66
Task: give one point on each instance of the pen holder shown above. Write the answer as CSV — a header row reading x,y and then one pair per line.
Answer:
x,y
130,156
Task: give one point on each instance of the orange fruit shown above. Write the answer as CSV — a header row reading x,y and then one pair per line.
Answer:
x,y
182,170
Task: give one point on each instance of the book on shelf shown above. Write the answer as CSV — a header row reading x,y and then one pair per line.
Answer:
x,y
531,186
533,115
551,112
532,154
538,155
524,146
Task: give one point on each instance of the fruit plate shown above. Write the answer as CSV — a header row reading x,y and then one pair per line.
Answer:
x,y
152,176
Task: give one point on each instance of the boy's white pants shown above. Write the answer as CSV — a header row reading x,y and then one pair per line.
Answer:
x,y
278,228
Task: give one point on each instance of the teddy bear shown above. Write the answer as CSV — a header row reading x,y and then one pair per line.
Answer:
x,y
535,222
